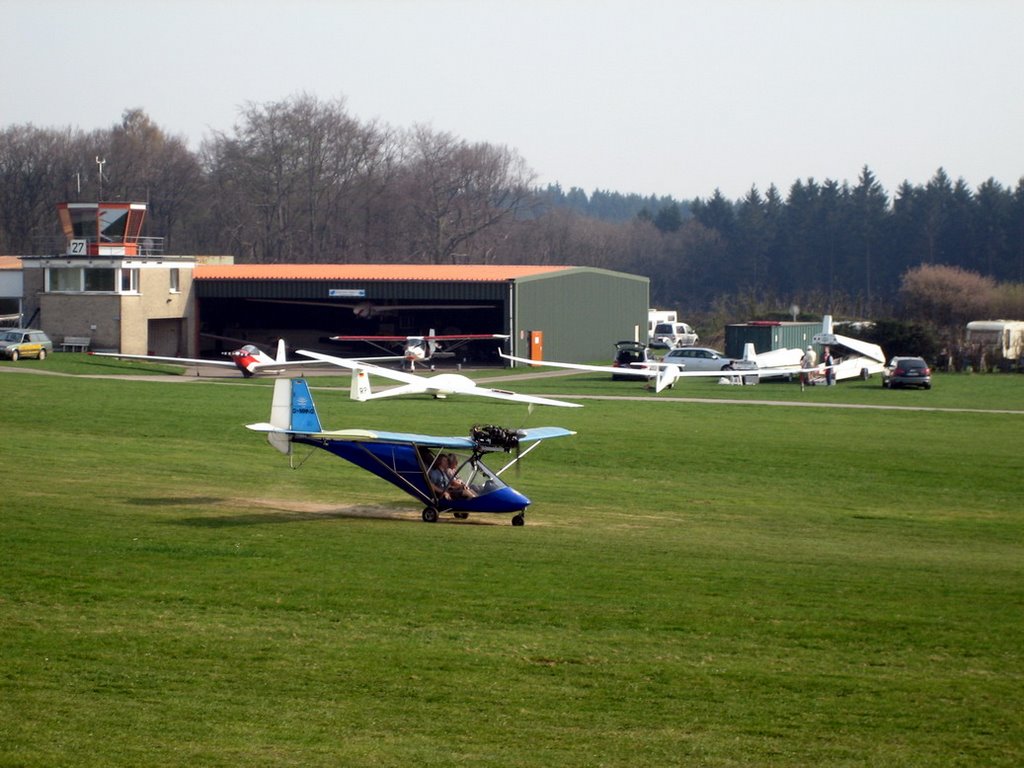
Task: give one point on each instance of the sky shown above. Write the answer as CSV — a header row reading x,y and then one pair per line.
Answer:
x,y
653,97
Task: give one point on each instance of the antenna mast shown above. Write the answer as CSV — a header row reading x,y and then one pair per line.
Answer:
x,y
101,163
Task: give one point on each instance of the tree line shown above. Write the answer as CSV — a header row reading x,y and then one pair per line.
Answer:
x,y
303,180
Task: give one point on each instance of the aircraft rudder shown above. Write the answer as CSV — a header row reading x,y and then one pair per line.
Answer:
x,y
360,389
304,417
280,416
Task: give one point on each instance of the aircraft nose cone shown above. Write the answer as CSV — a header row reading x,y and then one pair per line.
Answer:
x,y
516,500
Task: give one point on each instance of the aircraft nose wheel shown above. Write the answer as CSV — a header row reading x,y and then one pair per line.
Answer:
x,y
429,515
519,519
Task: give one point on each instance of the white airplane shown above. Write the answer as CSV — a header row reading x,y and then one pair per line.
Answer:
x,y
440,385
419,349
862,359
249,359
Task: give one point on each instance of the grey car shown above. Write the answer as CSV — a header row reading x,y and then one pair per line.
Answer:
x,y
907,372
698,359
16,343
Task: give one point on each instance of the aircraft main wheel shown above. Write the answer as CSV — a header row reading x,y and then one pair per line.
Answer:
x,y
429,515
461,515
519,519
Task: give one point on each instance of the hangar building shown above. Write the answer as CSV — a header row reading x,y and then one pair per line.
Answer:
x,y
553,312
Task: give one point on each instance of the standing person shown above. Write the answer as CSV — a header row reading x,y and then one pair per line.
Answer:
x,y
807,363
829,363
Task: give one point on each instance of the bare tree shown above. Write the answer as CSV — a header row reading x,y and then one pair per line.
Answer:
x,y
145,164
36,171
295,180
455,190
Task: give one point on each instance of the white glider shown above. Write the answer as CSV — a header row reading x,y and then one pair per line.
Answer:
x,y
439,385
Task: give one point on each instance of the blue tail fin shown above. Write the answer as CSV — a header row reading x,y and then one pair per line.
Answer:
x,y
304,418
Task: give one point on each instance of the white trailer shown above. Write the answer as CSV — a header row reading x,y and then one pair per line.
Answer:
x,y
1001,341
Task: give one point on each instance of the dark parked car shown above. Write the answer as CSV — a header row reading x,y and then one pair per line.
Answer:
x,y
907,372
630,354
24,342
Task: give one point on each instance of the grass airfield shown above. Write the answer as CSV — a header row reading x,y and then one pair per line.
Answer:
x,y
697,583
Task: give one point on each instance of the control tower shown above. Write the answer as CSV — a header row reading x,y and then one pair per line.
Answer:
x,y
105,229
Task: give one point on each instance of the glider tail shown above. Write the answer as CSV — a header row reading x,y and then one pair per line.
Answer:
x,y
431,345
360,385
292,410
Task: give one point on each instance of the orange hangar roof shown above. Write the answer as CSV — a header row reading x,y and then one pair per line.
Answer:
x,y
414,272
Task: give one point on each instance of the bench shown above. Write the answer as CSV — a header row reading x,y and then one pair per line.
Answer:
x,y
76,344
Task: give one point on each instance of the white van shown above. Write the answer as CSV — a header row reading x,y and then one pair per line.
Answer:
x,y
655,316
673,335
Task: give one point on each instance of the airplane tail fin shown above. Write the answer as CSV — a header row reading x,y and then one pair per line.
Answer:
x,y
281,355
749,352
292,410
827,335
431,345
360,389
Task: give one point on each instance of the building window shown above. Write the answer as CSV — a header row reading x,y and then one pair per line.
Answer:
x,y
98,280
129,280
175,280
92,280
63,280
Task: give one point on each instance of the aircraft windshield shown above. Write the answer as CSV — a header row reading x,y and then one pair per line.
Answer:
x,y
474,474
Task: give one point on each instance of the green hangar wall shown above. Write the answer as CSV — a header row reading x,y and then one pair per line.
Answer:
x,y
581,312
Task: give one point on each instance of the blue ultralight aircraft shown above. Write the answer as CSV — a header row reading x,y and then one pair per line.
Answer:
x,y
446,474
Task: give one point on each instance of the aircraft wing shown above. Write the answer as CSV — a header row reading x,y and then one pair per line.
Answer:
x,y
284,365
431,441
646,373
376,370
370,436
865,348
464,336
543,433
159,359
431,336
516,397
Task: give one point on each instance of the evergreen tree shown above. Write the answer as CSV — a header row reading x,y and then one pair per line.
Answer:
x,y
869,218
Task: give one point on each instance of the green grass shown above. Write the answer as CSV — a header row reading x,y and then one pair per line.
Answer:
x,y
697,583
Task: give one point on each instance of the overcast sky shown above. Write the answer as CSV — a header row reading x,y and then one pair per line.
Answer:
x,y
636,96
